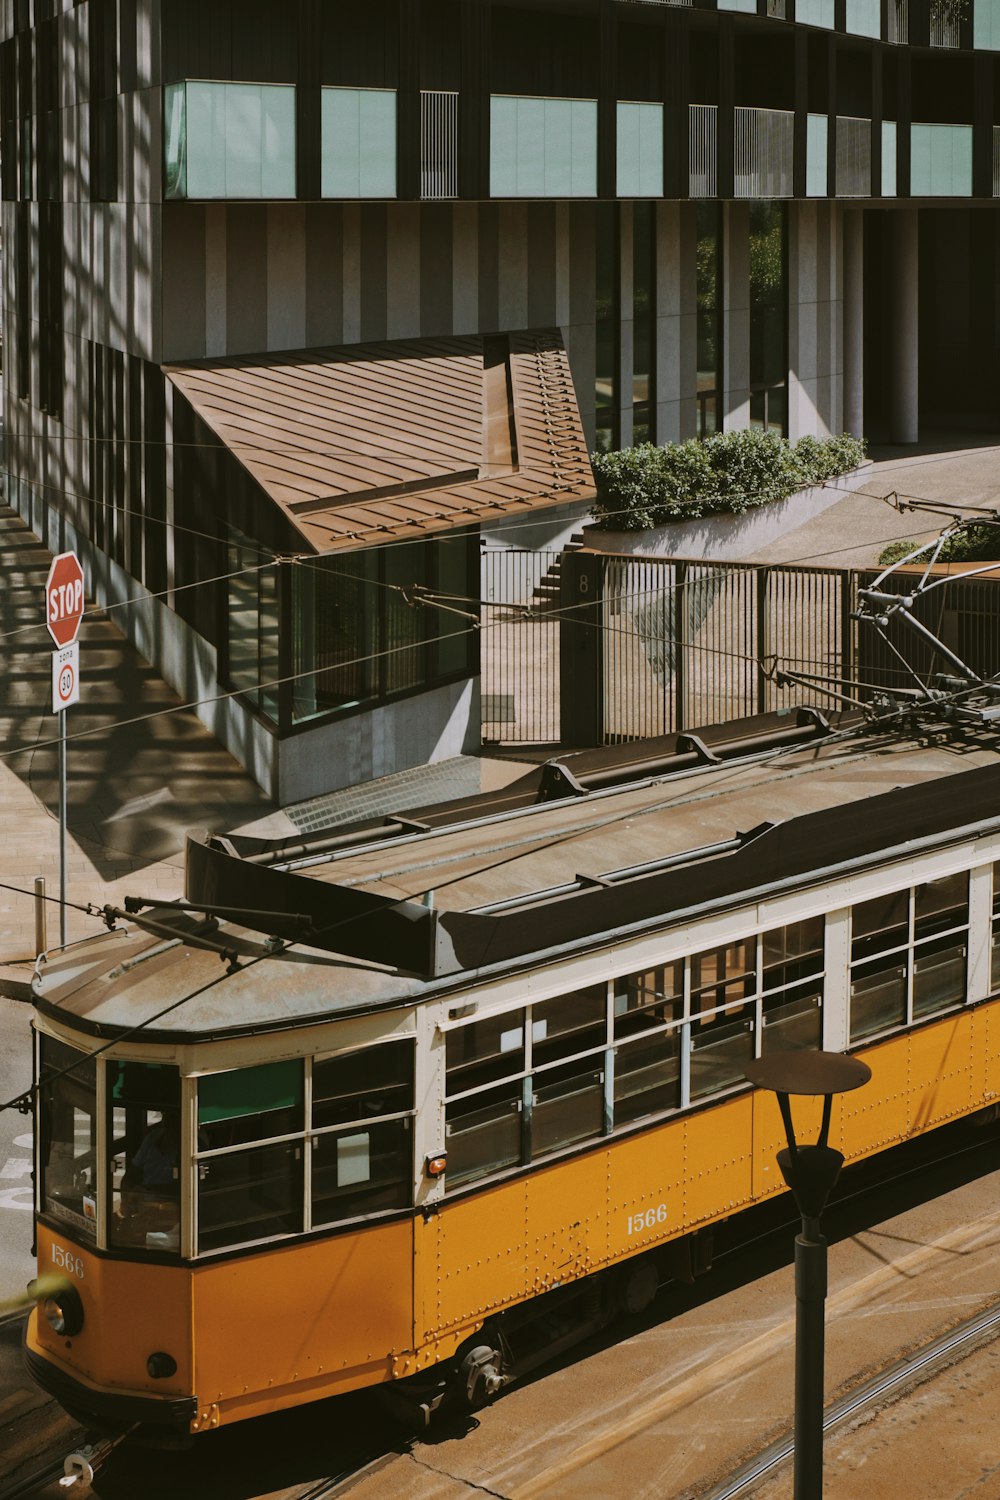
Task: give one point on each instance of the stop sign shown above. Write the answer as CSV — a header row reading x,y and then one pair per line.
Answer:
x,y
64,598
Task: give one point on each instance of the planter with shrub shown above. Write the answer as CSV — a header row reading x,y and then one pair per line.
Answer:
x,y
726,496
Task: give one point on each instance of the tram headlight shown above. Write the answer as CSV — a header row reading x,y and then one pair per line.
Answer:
x,y
64,1312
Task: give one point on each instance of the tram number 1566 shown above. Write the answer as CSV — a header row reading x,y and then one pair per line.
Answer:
x,y
67,1261
637,1223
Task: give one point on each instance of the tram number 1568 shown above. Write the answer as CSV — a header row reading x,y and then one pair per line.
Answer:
x,y
637,1223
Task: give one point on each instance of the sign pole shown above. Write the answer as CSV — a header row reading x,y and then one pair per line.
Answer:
x,y
63,613
62,828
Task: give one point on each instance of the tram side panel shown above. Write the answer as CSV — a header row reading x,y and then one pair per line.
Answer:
x,y
303,1321
130,1311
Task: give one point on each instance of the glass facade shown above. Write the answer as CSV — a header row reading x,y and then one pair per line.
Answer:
x,y
359,143
229,140
768,317
888,158
543,148
864,17
817,136
941,161
607,425
815,13
986,25
355,631
643,322
640,150
708,290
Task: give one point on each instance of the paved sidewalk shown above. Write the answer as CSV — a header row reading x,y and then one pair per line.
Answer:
x,y
947,466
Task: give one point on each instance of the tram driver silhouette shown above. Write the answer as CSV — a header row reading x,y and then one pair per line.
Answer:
x,y
150,1189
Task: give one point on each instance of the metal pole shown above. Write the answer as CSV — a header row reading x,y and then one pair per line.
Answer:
x,y
62,828
810,1333
41,937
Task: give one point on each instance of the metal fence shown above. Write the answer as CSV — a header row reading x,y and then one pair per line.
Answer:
x,y
593,649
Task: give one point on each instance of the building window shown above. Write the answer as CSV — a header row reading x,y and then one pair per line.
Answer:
x,y
941,161
360,632
229,140
708,275
643,322
908,955
543,148
253,623
768,317
640,151
359,143
607,420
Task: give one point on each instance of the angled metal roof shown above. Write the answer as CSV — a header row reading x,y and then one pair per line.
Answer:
x,y
368,442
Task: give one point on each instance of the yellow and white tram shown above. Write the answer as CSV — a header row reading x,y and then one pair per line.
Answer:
x,y
417,1075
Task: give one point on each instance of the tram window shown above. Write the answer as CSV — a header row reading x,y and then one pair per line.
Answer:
x,y
144,1156
362,1171
792,953
939,976
363,1085
68,1109
250,1195
878,997
483,1133
721,1048
485,1051
569,1024
647,1076
250,1104
567,1105
649,999
792,1020
880,925
723,976
940,905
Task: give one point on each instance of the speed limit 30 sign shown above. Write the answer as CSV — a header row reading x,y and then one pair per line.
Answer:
x,y
65,677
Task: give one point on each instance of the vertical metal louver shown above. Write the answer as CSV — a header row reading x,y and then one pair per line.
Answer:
x,y
898,23
854,157
703,177
763,152
944,31
438,144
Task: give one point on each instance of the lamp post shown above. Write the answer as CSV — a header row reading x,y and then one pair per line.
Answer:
x,y
810,1172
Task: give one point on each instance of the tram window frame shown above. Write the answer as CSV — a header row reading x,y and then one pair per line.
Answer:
x,y
79,1092
891,945
714,1009
995,931
291,1161
141,1180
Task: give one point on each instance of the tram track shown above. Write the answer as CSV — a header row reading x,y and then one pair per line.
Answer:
x,y
895,1381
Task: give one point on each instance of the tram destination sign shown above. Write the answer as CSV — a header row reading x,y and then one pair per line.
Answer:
x,y
64,598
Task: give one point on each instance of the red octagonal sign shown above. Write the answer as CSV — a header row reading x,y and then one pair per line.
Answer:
x,y
64,598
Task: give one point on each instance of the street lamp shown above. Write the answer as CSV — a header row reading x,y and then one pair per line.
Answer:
x,y
810,1172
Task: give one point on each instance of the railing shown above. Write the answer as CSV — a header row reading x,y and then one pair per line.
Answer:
x,y
996,161
897,28
438,144
854,157
944,31
702,151
764,145
776,8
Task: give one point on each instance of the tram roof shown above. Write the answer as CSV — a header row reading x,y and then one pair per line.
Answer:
x,y
517,883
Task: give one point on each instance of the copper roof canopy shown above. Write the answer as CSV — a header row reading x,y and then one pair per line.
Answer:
x,y
368,442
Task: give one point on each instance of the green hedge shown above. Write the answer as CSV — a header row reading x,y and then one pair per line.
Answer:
x,y
646,486
974,544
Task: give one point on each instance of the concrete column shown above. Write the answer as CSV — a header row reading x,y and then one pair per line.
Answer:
x,y
854,322
903,271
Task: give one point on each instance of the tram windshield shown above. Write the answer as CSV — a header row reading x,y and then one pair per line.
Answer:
x,y
68,1099
144,1120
